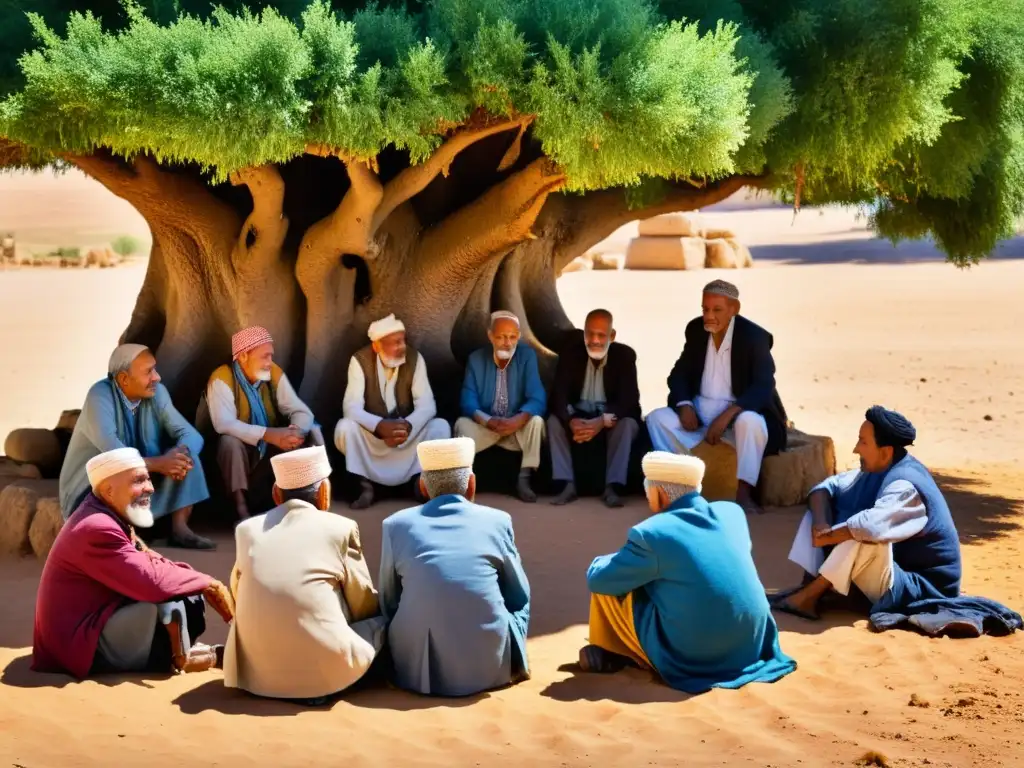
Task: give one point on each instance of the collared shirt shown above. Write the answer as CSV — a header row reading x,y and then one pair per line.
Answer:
x,y
499,408
354,402
716,393
592,396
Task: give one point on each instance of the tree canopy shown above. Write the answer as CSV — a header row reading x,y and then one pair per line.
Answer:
x,y
915,107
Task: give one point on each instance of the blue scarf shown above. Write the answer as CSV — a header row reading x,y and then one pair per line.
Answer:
x,y
258,414
138,429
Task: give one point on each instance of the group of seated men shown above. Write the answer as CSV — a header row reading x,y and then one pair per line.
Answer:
x,y
722,388
451,610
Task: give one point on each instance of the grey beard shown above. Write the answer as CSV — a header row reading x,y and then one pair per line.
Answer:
x,y
389,363
598,355
139,515
505,354
263,376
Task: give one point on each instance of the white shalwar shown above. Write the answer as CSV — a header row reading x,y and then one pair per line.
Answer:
x,y
366,454
749,433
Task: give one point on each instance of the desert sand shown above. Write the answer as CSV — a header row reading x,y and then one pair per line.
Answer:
x,y
855,320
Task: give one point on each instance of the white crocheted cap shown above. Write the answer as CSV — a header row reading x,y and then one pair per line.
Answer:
x,y
301,467
108,464
504,314
451,453
384,327
664,467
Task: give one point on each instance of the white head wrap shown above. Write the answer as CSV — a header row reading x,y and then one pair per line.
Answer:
x,y
664,467
503,314
384,327
108,464
452,453
722,288
124,356
299,468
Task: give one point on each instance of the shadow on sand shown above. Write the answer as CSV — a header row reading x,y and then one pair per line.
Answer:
x,y
18,674
867,250
632,686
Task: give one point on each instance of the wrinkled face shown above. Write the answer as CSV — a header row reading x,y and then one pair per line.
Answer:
x,y
129,493
256,363
140,380
718,312
873,458
598,335
504,338
391,349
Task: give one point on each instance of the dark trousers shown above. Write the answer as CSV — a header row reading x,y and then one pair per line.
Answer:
x,y
619,442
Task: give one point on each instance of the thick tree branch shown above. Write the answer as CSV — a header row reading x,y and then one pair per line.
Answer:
x,y
497,221
415,179
264,231
596,215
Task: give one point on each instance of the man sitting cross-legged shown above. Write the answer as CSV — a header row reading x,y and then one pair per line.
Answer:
x,y
307,623
683,597
107,603
388,409
884,528
452,585
595,392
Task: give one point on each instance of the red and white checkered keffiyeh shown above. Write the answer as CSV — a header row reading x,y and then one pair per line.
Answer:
x,y
248,339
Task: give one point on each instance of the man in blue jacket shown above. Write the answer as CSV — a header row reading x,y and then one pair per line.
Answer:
x,y
683,597
503,399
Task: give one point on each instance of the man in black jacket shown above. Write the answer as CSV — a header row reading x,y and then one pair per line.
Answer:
x,y
595,391
722,388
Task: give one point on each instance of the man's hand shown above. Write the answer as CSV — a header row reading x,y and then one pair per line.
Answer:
x,y
509,426
176,463
219,598
830,537
719,425
285,438
585,430
393,432
688,418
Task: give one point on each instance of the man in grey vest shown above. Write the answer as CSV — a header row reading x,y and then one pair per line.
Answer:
x,y
388,410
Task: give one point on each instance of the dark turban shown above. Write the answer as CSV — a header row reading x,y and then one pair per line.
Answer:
x,y
891,428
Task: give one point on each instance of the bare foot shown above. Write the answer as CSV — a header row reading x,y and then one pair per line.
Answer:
x,y
567,495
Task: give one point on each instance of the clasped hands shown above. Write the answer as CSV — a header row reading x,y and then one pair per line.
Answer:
x,y
175,464
691,422
585,430
393,432
285,438
507,426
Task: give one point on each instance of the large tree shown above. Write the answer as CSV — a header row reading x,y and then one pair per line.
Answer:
x,y
312,167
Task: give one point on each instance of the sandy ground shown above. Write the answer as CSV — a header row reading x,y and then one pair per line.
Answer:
x,y
855,322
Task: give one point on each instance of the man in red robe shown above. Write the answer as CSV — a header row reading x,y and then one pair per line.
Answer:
x,y
107,603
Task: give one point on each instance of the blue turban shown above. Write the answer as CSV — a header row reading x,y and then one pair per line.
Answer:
x,y
891,428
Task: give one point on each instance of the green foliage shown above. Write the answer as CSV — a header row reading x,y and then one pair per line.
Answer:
x,y
913,106
126,245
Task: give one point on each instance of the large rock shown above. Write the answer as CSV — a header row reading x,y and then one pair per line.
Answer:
x,y
579,264
34,446
665,253
608,260
669,225
46,524
744,258
11,468
718,234
720,255
17,506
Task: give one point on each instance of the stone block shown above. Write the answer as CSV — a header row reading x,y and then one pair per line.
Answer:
x,y
34,446
17,507
744,258
720,255
665,253
718,234
11,468
46,524
608,261
669,225
579,264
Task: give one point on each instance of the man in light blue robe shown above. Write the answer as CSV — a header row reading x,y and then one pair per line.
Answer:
x,y
683,597
452,585
132,409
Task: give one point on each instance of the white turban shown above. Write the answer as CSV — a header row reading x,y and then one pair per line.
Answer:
x,y
108,464
722,288
384,327
503,314
452,453
663,467
124,356
300,468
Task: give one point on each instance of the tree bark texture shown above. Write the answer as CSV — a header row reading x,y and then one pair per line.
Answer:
x,y
319,248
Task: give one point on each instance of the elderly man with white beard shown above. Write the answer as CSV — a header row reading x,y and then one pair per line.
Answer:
x,y
388,410
503,399
595,396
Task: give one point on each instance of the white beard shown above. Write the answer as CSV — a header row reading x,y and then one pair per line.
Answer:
x,y
263,376
601,355
140,515
389,363
505,354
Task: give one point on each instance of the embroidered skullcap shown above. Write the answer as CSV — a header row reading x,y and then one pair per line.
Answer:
x,y
385,327
122,357
891,428
108,464
248,339
504,314
664,467
722,288
300,468
451,453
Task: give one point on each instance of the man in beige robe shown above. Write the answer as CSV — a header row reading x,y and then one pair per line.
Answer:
x,y
388,410
307,622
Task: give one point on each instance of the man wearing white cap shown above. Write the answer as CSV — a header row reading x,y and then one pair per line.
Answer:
x,y
683,597
503,399
307,624
107,603
722,389
256,412
388,409
452,584
130,408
